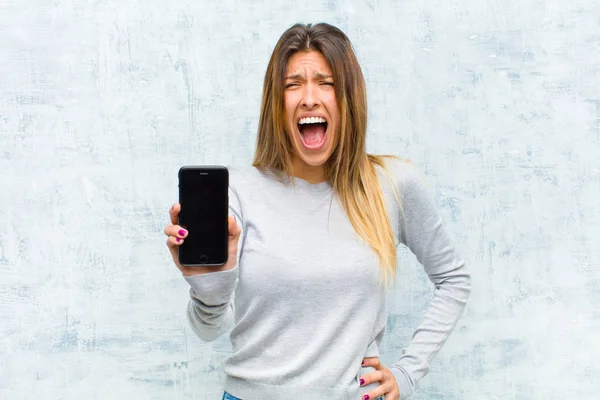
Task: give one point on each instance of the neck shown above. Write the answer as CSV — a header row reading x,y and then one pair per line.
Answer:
x,y
311,174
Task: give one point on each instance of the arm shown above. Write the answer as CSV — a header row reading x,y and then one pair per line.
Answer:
x,y
423,232
211,307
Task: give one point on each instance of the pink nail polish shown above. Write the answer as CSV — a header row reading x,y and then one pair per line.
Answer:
x,y
178,239
181,232
362,382
367,397
363,362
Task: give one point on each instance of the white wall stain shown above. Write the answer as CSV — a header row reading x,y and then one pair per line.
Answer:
x,y
101,102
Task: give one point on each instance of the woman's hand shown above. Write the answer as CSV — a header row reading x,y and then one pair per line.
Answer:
x,y
176,235
388,386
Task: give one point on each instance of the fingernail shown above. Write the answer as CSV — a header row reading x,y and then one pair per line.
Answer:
x,y
182,232
178,239
362,382
363,362
367,397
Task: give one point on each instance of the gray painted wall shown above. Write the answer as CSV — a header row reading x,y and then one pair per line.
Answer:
x,y
102,101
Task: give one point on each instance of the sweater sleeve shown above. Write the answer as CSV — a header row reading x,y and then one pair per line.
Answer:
x,y
211,307
422,231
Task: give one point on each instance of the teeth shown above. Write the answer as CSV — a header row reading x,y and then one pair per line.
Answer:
x,y
312,120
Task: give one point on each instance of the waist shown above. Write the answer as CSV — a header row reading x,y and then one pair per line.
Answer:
x,y
241,389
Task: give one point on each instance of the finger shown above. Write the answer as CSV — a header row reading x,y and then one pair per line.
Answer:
x,y
387,385
173,241
173,245
174,213
385,391
374,394
367,379
372,362
175,230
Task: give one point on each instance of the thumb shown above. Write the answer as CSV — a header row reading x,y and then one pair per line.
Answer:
x,y
234,229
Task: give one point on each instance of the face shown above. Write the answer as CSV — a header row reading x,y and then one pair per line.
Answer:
x,y
312,117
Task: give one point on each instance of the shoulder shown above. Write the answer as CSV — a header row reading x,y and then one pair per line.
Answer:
x,y
418,205
247,179
239,174
407,178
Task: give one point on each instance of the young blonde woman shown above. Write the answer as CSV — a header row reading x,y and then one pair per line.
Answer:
x,y
313,230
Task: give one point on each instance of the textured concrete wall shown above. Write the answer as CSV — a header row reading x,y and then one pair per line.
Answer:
x,y
101,102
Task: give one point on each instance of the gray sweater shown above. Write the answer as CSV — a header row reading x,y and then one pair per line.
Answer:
x,y
304,301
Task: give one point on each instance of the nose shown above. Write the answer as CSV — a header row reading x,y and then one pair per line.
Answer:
x,y
309,98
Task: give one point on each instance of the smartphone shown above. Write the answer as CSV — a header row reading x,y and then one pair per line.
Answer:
x,y
204,200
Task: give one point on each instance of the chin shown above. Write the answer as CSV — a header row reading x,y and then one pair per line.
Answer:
x,y
315,161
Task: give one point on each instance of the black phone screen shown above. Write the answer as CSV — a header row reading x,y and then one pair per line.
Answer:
x,y
203,196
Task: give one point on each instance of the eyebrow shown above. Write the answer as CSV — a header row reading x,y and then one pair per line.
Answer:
x,y
317,75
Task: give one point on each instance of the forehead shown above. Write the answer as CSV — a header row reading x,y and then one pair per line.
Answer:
x,y
311,61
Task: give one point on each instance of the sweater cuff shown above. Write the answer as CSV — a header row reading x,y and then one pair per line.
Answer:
x,y
404,382
213,288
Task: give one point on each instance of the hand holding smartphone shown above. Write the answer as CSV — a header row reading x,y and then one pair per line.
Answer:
x,y
203,195
201,236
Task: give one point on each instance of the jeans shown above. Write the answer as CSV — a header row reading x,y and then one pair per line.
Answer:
x,y
227,396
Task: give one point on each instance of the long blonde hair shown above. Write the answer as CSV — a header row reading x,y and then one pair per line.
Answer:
x,y
350,170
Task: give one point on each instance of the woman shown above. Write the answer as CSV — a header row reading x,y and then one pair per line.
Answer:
x,y
313,230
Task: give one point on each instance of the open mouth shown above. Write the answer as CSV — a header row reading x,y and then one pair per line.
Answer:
x,y
313,132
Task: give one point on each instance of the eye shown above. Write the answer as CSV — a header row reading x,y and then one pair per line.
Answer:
x,y
289,85
328,83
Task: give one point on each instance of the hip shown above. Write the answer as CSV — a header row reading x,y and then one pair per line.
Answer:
x,y
227,396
